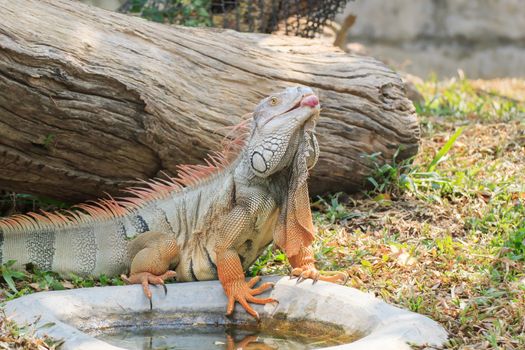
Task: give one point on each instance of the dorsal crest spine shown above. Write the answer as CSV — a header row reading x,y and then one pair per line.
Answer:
x,y
188,175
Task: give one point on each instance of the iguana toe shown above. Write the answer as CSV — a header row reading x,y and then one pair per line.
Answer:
x,y
145,279
262,288
310,272
242,292
307,273
335,276
253,281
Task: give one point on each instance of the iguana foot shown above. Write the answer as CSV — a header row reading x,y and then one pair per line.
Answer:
x,y
146,278
306,272
242,292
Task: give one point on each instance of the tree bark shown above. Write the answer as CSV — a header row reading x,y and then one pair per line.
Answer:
x,y
91,99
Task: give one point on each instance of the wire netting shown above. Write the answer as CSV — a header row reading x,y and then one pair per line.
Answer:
x,y
303,18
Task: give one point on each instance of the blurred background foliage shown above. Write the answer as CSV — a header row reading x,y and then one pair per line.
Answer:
x,y
304,18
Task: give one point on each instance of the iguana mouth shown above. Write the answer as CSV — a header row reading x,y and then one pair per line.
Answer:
x,y
309,100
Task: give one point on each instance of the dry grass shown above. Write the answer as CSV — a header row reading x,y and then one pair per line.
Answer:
x,y
451,251
452,248
12,336
510,88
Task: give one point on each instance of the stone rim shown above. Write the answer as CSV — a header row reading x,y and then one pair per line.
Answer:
x,y
384,326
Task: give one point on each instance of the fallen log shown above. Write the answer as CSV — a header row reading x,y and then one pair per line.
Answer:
x,y
91,99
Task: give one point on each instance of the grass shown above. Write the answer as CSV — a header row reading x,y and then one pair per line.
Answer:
x,y
442,235
464,101
451,246
18,283
445,235
14,336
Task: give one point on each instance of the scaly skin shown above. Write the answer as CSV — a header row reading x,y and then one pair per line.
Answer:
x,y
152,252
216,227
295,111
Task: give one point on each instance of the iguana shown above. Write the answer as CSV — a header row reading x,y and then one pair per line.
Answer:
x,y
212,221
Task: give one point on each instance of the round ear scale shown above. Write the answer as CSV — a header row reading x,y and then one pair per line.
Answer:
x,y
258,162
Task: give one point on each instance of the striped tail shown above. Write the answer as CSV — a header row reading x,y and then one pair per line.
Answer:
x,y
86,250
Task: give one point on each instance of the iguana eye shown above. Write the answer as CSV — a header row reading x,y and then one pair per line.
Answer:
x,y
273,101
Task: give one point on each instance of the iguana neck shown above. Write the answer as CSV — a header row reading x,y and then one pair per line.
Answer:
x,y
289,188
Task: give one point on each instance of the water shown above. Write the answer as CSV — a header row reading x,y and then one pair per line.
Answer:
x,y
221,337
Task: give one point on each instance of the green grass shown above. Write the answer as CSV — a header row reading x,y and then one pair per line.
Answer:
x,y
18,283
442,234
516,243
14,336
193,13
460,100
395,178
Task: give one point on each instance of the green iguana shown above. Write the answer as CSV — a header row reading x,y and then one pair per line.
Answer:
x,y
212,221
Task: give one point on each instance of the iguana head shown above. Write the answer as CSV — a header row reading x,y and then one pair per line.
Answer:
x,y
281,122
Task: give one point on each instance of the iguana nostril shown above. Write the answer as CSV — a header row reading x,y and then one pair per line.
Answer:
x,y
310,100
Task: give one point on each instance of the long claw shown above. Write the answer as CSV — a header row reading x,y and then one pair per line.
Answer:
x,y
347,277
147,278
315,277
163,287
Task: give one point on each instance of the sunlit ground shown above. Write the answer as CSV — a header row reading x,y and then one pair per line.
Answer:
x,y
446,236
443,237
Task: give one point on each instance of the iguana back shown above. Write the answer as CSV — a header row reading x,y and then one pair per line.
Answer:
x,y
94,239
211,221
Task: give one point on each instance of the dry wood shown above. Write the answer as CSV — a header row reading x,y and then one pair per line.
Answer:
x,y
90,99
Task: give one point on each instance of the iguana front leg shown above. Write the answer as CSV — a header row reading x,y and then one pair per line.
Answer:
x,y
229,267
235,286
151,254
297,235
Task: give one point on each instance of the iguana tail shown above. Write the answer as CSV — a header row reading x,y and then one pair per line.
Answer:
x,y
93,238
91,248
